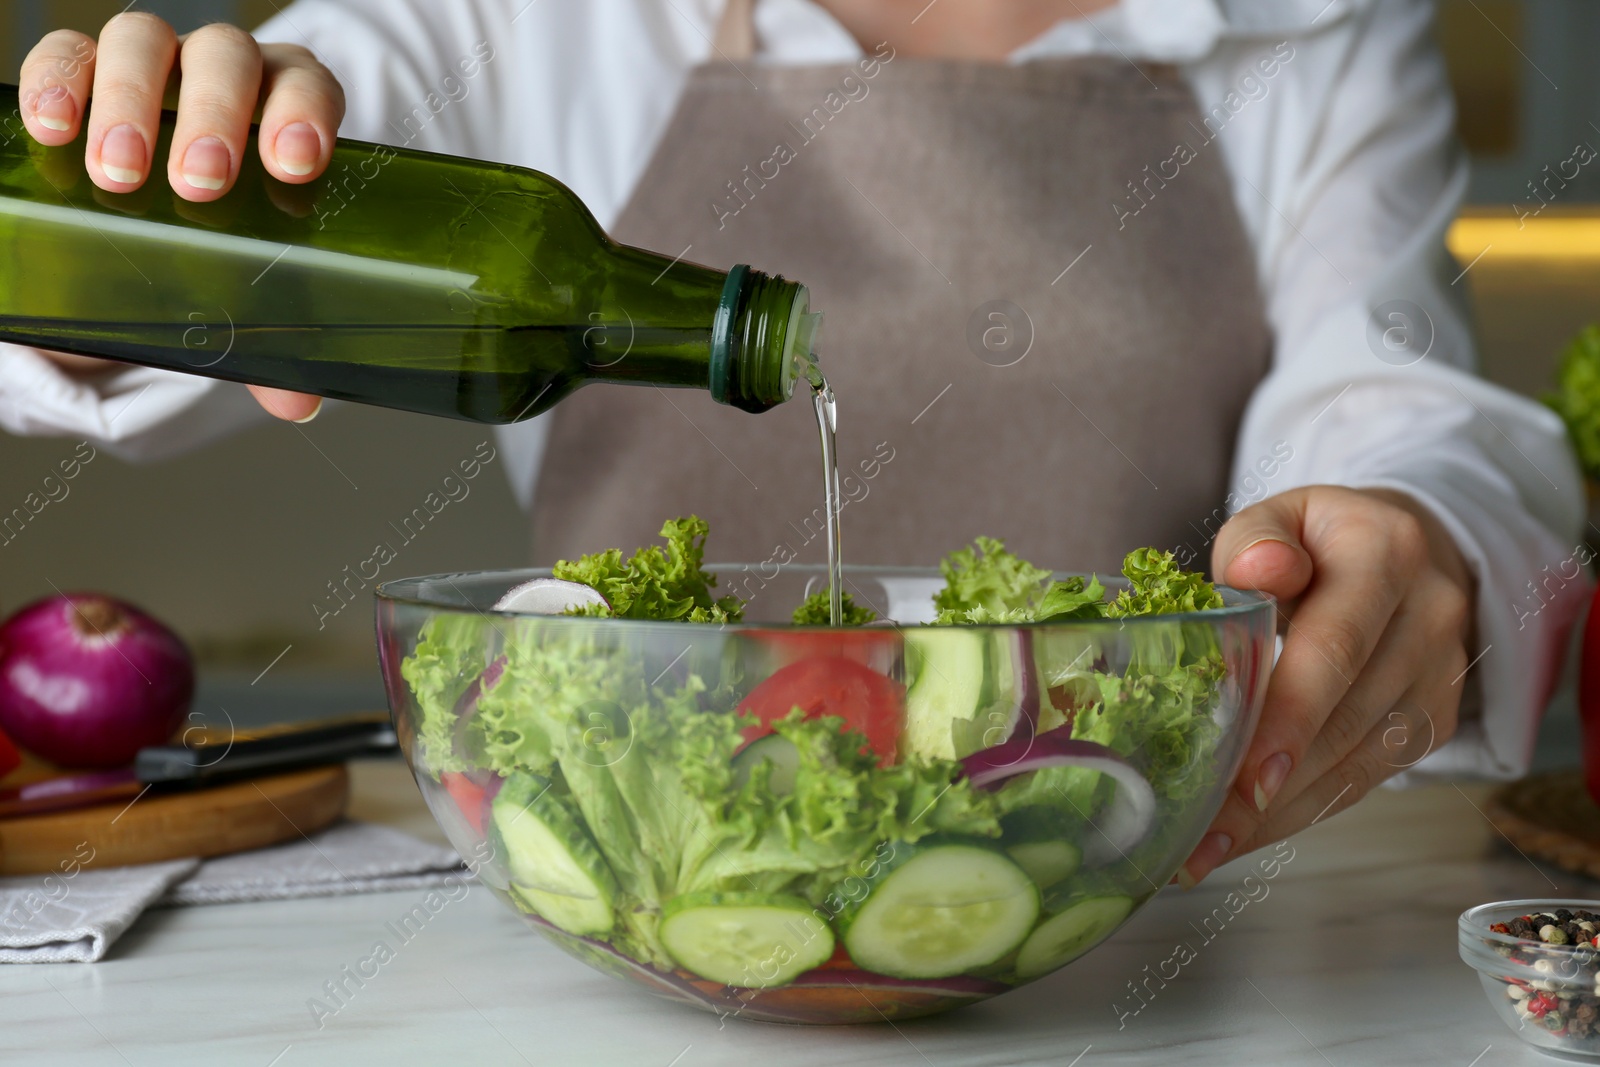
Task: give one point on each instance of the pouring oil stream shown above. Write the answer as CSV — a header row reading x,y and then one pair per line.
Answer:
x,y
827,409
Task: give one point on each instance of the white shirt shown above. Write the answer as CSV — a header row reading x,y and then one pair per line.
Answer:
x,y
1344,169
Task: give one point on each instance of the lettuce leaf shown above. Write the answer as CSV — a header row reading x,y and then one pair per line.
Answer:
x,y
985,583
817,610
842,807
1161,722
657,583
1072,599
1157,713
696,831
1577,397
985,578
450,656
1158,586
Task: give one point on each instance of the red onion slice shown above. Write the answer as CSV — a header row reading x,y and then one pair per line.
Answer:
x,y
1133,807
549,596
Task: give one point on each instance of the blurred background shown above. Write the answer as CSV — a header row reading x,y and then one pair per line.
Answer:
x,y
234,544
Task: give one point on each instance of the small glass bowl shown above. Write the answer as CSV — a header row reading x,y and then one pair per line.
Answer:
x,y
1537,989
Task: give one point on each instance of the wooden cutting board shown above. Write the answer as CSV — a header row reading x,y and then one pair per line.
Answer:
x,y
1551,817
204,822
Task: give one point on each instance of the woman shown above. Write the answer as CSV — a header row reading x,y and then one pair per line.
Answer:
x,y
1079,258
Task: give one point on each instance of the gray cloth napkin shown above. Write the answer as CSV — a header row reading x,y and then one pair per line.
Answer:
x,y
75,918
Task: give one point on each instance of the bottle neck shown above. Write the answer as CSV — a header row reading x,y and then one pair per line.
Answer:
x,y
763,339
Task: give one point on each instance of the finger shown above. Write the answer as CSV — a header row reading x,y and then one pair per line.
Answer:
x,y
135,56
1366,559
1350,780
1423,720
290,407
1260,549
1396,731
1417,666
82,366
221,67
1389,675
54,86
300,119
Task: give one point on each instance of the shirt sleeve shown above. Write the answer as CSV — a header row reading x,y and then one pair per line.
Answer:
x,y
136,414
1373,381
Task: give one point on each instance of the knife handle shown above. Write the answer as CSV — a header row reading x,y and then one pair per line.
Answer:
x,y
279,751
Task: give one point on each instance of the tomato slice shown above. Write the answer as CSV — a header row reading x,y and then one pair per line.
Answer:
x,y
10,758
469,796
832,685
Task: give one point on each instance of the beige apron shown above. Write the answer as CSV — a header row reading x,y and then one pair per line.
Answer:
x,y
1042,315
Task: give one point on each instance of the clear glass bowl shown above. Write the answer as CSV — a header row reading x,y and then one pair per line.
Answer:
x,y
1537,989
600,778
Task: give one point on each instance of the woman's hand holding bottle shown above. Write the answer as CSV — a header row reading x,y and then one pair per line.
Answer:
x,y
220,80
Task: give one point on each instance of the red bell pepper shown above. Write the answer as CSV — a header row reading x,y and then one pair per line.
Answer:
x,y
1589,697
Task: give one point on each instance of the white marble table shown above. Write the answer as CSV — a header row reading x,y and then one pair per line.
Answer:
x,y
1347,957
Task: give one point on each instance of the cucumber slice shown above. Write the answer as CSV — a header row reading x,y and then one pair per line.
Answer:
x,y
1047,862
752,940
555,867
948,907
1063,938
779,751
950,682
1040,840
584,916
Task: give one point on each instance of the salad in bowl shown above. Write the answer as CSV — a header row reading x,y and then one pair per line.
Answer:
x,y
970,784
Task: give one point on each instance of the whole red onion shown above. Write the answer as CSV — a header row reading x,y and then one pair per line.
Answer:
x,y
87,681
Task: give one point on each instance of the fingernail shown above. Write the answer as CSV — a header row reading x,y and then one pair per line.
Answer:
x,y
207,164
124,155
54,109
1269,779
298,149
314,413
1213,848
1259,541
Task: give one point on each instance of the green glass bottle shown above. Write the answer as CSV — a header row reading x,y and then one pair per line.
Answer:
x,y
409,280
